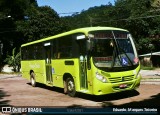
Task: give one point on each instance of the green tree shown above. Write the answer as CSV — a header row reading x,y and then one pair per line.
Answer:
x,y
140,17
14,60
41,22
145,45
15,8
94,16
11,11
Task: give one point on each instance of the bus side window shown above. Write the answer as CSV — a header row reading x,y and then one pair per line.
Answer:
x,y
64,47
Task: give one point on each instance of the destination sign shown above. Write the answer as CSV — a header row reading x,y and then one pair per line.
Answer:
x,y
110,35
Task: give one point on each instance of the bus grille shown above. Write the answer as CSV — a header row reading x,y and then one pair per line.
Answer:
x,y
121,79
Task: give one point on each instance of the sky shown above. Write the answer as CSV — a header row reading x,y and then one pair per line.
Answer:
x,y
68,7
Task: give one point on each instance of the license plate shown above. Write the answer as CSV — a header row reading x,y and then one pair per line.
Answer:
x,y
123,86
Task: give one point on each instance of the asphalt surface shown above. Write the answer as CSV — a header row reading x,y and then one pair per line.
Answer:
x,y
16,91
155,72
150,76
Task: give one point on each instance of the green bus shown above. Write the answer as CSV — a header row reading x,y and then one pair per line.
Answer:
x,y
91,60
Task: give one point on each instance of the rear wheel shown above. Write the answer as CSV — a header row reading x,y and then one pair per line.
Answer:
x,y
32,79
70,87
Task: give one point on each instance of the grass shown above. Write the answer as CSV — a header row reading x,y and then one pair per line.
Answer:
x,y
147,68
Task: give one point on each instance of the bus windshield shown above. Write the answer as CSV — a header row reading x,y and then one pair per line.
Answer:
x,y
113,49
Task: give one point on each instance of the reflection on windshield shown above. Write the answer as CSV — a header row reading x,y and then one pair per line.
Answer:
x,y
113,50
103,52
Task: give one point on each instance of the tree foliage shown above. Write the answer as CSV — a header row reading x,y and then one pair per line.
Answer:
x,y
140,17
23,21
42,22
11,11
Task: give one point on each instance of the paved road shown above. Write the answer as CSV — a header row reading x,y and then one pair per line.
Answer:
x,y
150,76
17,91
155,72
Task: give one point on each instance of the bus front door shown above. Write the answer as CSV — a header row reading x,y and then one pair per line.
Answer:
x,y
83,64
49,79
83,72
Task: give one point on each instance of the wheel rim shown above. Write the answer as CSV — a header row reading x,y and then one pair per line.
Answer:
x,y
70,85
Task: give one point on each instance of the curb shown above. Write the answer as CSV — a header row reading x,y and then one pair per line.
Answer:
x,y
5,76
151,82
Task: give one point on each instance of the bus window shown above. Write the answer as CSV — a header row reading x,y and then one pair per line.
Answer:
x,y
64,47
112,48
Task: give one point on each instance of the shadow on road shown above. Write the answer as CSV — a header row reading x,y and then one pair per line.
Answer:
x,y
153,101
3,103
105,100
57,89
109,97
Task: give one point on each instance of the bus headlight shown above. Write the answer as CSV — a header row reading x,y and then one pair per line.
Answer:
x,y
101,78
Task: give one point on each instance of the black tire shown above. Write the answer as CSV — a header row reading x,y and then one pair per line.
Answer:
x,y
32,79
70,87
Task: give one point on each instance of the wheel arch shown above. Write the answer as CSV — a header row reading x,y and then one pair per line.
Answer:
x,y
32,78
66,75
31,71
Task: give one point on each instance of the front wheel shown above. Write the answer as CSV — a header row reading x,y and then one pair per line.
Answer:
x,y
70,87
32,79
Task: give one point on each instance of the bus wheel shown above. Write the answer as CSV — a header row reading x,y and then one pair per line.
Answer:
x,y
32,79
70,87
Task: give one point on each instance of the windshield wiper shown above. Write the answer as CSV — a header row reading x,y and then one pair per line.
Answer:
x,y
118,52
115,52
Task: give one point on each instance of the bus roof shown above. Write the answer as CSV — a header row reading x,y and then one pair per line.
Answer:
x,y
82,30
